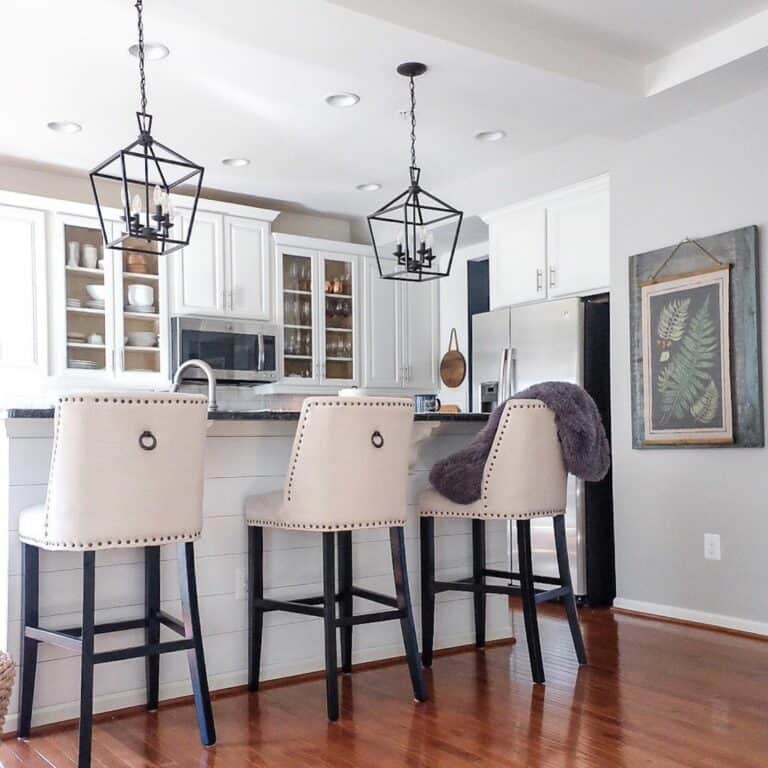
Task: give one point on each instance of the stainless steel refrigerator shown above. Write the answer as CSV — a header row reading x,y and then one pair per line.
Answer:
x,y
565,340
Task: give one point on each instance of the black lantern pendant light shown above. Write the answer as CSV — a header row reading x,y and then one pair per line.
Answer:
x,y
408,221
146,172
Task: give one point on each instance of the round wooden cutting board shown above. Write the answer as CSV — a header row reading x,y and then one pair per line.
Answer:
x,y
453,366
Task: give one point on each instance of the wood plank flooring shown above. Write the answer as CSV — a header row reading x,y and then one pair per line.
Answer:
x,y
654,694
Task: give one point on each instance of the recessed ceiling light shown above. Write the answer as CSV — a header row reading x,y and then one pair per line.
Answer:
x,y
371,186
152,51
65,126
490,135
235,162
342,99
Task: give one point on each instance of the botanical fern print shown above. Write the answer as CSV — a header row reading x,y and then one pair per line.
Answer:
x,y
706,407
672,320
689,369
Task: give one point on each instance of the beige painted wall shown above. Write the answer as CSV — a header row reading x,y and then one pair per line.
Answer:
x,y
61,183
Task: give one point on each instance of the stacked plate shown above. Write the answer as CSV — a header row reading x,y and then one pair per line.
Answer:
x,y
84,364
94,304
75,337
142,310
74,303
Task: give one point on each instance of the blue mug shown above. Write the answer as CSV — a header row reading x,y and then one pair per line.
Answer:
x,y
427,403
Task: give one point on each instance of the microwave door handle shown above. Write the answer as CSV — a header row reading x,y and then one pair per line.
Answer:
x,y
260,342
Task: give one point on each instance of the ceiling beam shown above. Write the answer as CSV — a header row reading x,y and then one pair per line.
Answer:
x,y
708,54
491,27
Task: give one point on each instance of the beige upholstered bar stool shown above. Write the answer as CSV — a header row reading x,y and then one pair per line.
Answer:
x,y
348,470
524,477
126,471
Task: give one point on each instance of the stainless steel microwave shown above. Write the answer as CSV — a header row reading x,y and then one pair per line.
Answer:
x,y
237,350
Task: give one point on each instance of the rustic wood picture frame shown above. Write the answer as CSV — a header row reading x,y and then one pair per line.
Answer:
x,y
738,249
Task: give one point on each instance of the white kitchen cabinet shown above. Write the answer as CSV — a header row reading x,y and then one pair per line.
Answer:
x,y
401,333
248,267
578,242
552,246
225,271
518,260
383,334
23,310
199,268
421,336
318,299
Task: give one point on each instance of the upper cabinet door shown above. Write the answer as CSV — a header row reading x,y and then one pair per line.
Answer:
x,y
383,329
22,289
199,268
421,335
578,241
248,258
517,261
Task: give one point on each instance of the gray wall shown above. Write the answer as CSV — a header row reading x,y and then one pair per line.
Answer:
x,y
702,176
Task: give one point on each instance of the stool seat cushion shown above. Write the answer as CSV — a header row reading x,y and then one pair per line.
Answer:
x,y
431,503
270,510
32,524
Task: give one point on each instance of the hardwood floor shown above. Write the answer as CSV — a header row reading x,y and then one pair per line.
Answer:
x,y
654,694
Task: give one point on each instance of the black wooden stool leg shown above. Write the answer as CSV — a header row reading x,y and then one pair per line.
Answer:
x,y
255,593
403,593
185,554
529,599
30,617
329,619
427,534
345,590
152,630
478,564
561,545
86,661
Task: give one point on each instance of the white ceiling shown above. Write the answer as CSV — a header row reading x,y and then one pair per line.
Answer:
x,y
249,77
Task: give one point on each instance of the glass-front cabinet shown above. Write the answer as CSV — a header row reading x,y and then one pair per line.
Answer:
x,y
114,313
318,307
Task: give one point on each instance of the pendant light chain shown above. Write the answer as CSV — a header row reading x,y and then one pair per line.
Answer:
x,y
142,77
413,124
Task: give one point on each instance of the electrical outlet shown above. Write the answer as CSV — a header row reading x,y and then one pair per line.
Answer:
x,y
711,546
241,583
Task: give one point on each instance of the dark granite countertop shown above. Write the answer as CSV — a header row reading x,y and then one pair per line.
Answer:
x,y
246,415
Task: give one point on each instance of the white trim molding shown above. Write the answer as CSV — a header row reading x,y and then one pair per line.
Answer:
x,y
713,620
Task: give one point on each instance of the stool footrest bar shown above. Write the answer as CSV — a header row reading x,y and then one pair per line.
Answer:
x,y
291,606
514,576
172,623
369,618
119,654
546,596
375,597
54,637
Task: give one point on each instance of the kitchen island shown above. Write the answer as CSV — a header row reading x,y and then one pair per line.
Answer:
x,y
247,452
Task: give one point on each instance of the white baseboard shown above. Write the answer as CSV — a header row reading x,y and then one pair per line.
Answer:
x,y
697,617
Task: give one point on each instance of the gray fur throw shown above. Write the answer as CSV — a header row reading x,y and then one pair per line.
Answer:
x,y
586,452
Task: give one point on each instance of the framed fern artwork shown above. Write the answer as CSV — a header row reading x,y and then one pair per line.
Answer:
x,y
686,358
695,357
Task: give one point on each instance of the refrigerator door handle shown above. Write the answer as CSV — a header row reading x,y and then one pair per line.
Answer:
x,y
511,373
503,364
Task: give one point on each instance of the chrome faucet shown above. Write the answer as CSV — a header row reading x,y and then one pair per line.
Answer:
x,y
207,370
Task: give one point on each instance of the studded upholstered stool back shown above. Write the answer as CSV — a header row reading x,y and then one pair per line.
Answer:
x,y
349,466
524,474
126,471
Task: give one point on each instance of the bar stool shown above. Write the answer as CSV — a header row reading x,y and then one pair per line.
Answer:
x,y
348,470
524,477
126,471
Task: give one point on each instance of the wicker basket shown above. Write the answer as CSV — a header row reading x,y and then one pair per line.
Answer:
x,y
7,676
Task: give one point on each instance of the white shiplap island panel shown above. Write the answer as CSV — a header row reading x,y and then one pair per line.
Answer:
x,y
243,457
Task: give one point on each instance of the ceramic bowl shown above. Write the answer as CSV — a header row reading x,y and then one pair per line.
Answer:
x,y
142,339
95,292
141,295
